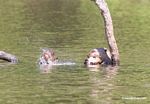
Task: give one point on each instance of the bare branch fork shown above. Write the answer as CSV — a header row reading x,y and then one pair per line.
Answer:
x,y
109,31
8,57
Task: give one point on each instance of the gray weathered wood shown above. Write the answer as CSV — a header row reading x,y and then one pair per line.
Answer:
x,y
109,31
8,57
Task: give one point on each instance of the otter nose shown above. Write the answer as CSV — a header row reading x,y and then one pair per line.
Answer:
x,y
46,56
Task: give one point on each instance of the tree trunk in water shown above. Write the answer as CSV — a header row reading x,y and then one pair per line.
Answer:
x,y
8,57
109,31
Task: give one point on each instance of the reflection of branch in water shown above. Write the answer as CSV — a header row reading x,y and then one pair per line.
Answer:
x,y
4,64
102,85
8,57
110,71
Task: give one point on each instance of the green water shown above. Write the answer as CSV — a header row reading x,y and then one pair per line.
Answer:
x,y
72,28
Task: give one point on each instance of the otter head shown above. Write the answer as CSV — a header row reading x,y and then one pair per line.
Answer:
x,y
48,56
93,58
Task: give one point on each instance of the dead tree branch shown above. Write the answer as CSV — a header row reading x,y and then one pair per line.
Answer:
x,y
109,31
8,57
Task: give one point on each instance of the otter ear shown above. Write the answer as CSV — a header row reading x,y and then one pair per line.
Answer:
x,y
87,56
107,52
43,50
105,49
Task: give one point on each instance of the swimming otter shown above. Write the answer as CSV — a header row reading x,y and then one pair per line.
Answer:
x,y
47,57
98,56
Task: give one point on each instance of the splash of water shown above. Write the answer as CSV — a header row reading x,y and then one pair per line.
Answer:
x,y
46,68
64,63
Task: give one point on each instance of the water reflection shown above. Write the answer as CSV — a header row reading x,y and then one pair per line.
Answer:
x,y
102,84
5,64
45,68
110,71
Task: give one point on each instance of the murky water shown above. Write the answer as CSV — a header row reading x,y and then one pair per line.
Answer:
x,y
72,28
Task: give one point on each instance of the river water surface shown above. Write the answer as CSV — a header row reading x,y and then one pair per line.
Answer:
x,y
72,28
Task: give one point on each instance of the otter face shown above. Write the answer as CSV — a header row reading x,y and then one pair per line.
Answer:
x,y
98,56
93,58
47,56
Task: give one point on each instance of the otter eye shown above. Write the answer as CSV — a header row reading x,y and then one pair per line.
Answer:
x,y
94,57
